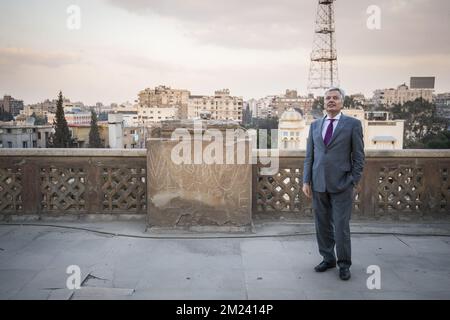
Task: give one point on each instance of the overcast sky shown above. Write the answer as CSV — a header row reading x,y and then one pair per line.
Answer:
x,y
253,47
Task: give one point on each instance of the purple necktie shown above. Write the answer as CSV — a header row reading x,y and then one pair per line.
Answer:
x,y
329,132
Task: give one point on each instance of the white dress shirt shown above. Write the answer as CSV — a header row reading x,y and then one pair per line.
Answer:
x,y
327,122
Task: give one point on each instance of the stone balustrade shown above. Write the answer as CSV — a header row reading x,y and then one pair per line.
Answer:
x,y
396,184
400,184
72,181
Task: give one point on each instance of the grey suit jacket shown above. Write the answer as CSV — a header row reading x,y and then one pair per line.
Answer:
x,y
339,165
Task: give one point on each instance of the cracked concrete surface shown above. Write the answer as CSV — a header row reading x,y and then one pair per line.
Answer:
x,y
33,262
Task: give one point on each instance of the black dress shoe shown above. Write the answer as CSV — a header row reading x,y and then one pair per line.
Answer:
x,y
324,266
344,273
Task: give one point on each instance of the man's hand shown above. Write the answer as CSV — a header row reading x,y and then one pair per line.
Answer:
x,y
355,190
307,190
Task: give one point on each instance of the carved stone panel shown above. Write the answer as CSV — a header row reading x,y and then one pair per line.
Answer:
x,y
186,195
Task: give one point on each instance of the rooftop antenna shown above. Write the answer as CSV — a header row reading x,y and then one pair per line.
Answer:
x,y
323,71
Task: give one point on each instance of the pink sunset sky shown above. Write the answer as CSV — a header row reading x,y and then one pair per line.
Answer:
x,y
253,47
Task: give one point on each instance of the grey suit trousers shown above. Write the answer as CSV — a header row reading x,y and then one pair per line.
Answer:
x,y
332,218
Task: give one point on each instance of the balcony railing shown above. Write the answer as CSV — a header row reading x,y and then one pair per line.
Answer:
x,y
396,184
64,181
400,184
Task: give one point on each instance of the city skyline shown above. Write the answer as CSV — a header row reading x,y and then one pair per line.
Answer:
x,y
255,49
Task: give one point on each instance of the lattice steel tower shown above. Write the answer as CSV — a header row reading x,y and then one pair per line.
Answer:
x,y
323,71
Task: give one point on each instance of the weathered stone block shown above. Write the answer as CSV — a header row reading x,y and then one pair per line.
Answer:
x,y
191,195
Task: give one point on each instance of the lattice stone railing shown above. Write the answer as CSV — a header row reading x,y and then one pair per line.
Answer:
x,y
62,188
11,189
396,185
124,188
60,181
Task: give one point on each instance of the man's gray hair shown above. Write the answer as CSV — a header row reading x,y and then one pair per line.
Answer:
x,y
341,92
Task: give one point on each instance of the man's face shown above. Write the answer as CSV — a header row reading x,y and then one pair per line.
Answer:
x,y
333,102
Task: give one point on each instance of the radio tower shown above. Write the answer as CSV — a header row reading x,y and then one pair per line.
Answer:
x,y
323,71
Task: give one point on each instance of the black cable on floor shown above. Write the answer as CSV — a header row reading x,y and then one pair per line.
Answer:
x,y
216,236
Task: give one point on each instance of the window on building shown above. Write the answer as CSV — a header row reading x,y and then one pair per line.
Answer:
x,y
8,130
34,144
24,144
9,144
39,135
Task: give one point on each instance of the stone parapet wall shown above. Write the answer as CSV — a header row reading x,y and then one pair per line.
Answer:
x,y
396,185
72,181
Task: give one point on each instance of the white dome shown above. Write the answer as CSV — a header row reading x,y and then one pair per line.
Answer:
x,y
291,115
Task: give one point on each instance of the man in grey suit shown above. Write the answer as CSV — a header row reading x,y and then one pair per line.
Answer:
x,y
333,167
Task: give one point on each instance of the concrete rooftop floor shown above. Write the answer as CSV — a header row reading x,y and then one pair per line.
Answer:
x,y
274,262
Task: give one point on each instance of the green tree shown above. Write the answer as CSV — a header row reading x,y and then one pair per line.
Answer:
x,y
246,116
94,134
61,138
318,104
421,121
437,141
266,124
379,108
39,120
349,102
